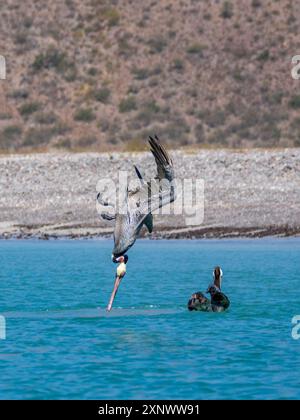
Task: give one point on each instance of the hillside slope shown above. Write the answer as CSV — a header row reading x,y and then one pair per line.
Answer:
x,y
99,74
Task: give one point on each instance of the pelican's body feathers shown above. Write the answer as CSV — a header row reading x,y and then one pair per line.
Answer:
x,y
146,198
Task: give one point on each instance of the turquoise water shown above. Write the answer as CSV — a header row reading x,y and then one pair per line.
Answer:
x,y
61,343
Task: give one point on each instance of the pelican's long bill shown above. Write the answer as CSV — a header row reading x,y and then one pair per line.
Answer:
x,y
114,292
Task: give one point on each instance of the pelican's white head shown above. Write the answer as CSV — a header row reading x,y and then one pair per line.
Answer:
x,y
217,276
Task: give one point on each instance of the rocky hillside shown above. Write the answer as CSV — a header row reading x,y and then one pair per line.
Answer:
x,y
102,74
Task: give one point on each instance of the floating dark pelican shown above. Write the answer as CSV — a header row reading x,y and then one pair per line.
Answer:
x,y
199,302
218,301
140,203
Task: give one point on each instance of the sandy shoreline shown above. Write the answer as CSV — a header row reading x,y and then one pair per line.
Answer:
x,y
253,193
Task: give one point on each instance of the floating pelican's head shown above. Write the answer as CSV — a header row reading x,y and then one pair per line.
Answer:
x,y
217,276
197,300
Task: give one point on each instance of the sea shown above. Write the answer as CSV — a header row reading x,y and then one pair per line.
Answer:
x,y
58,342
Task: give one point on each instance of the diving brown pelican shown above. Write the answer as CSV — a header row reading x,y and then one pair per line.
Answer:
x,y
139,204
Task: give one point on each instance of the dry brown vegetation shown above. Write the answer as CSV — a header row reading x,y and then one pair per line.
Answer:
x,y
103,74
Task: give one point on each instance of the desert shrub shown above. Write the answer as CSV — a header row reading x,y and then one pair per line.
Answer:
x,y
55,59
264,55
102,94
178,65
199,133
27,22
177,129
144,73
92,71
112,140
103,124
127,104
147,114
238,75
142,119
251,117
172,34
45,118
156,71
133,89
151,107
19,94
256,3
196,49
63,144
296,123
240,51
36,137
290,21
274,98
191,111
295,102
273,116
60,129
12,131
192,92
86,141
29,108
241,130
9,135
112,16
227,10
244,133
20,38
52,58
156,44
141,73
207,16
113,131
154,81
84,115
270,134
215,118
125,49
169,93
276,134
217,137
5,116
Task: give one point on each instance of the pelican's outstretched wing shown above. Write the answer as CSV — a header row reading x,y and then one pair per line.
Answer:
x,y
157,192
145,199
163,161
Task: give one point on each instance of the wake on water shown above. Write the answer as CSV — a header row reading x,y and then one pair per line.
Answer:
x,y
92,313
